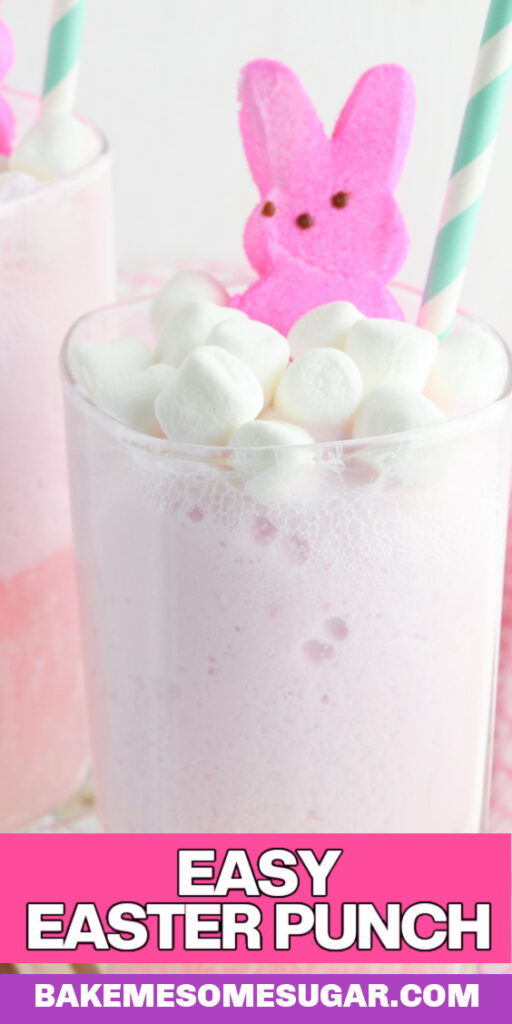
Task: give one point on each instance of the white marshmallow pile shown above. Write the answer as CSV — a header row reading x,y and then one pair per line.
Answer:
x,y
56,145
323,327
321,387
389,410
469,371
283,439
391,353
131,399
94,363
216,377
189,326
185,286
258,346
210,396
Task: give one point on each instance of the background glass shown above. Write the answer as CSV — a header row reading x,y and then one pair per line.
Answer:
x,y
56,262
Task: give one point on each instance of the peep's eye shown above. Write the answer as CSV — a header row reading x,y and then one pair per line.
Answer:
x,y
340,199
268,209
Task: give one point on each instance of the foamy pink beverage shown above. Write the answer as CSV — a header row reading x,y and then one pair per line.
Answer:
x,y
311,650
56,262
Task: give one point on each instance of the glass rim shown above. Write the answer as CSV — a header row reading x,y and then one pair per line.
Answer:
x,y
71,180
436,432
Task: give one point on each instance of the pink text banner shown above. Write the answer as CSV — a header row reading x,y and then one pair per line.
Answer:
x,y
258,899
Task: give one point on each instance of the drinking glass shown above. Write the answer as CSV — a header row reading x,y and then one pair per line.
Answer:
x,y
309,649
56,262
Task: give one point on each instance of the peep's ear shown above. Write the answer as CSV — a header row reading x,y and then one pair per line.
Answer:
x,y
374,128
282,135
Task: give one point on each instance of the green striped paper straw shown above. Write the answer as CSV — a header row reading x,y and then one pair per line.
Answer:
x,y
470,171
59,90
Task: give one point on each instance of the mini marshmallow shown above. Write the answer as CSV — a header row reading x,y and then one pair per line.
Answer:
x,y
209,397
322,386
15,185
389,410
94,363
260,347
56,145
318,432
282,438
391,353
470,370
189,326
132,399
185,286
308,482
323,327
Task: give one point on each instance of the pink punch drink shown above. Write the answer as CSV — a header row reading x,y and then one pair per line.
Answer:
x,y
312,650
56,262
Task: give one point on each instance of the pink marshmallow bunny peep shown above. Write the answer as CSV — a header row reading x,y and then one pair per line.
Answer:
x,y
327,226
7,122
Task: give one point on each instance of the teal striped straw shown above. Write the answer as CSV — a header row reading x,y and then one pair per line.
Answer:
x,y
470,171
65,42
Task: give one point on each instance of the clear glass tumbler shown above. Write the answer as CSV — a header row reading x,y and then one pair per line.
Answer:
x,y
56,262
312,649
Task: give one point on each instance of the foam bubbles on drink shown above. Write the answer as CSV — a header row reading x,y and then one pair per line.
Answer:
x,y
316,651
336,628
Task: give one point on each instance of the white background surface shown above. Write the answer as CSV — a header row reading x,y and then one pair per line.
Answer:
x,y
160,78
